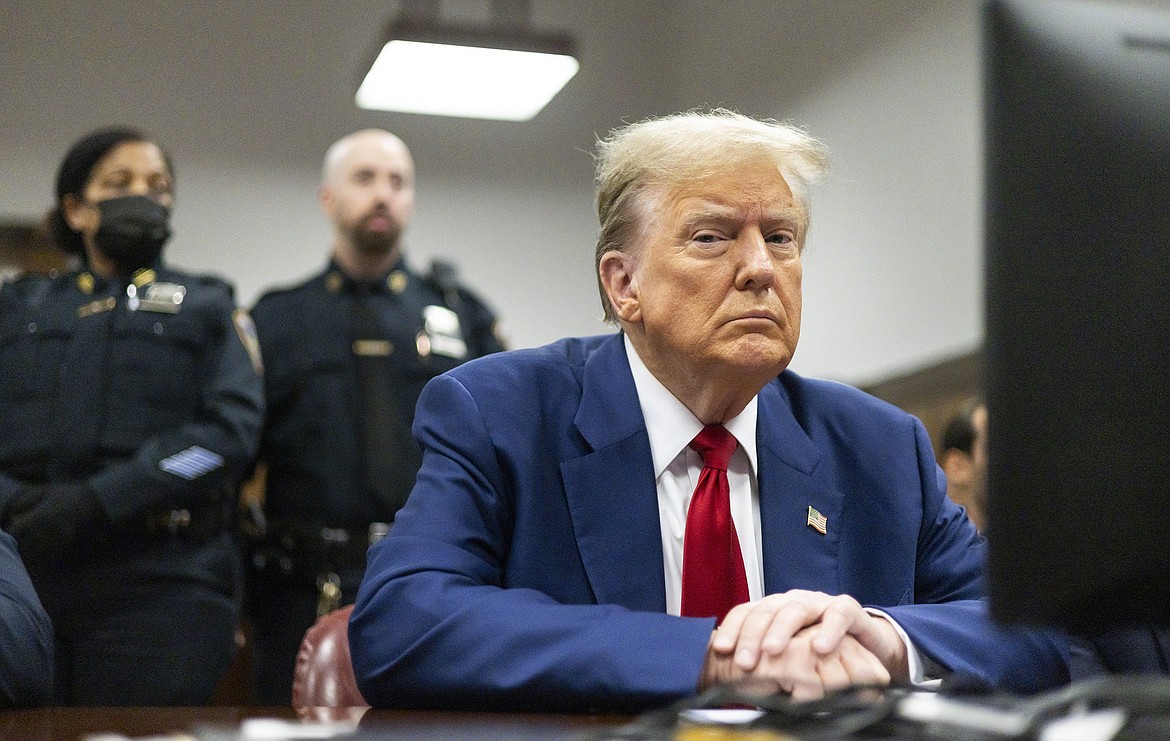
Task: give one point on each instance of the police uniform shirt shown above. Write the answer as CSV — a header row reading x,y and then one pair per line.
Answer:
x,y
312,442
146,388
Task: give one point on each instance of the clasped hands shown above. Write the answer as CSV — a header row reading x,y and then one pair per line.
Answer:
x,y
805,644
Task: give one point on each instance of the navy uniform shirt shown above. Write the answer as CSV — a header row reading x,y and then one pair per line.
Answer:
x,y
148,389
312,443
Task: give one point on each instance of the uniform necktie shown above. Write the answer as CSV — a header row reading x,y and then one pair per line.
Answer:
x,y
713,577
382,452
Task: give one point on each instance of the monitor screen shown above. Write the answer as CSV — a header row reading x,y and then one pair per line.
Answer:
x,y
1077,138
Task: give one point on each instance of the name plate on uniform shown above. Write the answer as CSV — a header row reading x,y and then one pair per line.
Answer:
x,y
372,348
96,307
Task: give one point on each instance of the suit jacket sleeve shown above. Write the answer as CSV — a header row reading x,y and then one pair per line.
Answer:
x,y
950,622
26,635
437,623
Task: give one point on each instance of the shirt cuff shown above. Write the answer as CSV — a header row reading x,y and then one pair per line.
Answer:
x,y
923,671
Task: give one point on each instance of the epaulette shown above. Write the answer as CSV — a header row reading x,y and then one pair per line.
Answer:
x,y
212,280
208,281
215,281
278,291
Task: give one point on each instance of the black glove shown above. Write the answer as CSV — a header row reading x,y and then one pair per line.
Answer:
x,y
24,500
55,521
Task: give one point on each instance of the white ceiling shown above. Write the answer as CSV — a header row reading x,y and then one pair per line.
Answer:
x,y
274,80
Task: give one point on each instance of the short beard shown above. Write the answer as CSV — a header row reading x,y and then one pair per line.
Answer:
x,y
375,243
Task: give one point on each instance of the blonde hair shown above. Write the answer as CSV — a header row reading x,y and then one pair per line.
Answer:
x,y
668,151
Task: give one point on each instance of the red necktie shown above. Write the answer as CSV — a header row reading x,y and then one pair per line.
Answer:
x,y
713,578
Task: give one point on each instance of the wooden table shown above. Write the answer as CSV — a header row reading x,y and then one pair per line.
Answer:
x,y
75,724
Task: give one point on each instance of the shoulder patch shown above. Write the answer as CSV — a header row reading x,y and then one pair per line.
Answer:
x,y
210,279
246,329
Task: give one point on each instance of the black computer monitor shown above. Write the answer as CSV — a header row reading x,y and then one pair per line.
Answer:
x,y
1077,137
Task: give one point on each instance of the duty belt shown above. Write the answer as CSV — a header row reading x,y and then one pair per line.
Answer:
x,y
196,522
311,549
174,525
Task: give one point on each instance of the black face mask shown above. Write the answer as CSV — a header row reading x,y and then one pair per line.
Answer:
x,y
132,232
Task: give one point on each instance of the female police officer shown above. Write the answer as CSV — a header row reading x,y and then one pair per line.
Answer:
x,y
131,405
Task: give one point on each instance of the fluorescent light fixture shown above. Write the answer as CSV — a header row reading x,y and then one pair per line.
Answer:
x,y
495,73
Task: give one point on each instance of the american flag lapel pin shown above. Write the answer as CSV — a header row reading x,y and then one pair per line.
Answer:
x,y
817,521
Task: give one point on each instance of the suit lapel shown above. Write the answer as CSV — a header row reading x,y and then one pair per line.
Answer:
x,y
611,493
793,476
614,503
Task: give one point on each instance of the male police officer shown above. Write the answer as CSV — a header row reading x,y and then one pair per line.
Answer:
x,y
347,354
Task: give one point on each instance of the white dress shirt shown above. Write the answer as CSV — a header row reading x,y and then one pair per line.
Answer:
x,y
671,427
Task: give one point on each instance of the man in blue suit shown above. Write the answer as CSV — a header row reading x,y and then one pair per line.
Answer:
x,y
545,557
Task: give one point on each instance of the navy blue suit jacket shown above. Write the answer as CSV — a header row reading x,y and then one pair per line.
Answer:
x,y
526,569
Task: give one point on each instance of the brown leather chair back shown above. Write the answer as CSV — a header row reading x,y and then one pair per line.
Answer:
x,y
323,677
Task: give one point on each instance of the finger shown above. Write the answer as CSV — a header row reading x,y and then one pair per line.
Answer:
x,y
717,669
790,619
862,666
795,670
727,634
834,674
807,686
807,692
880,636
769,628
839,619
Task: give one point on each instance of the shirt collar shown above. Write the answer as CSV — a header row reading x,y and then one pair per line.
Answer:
x,y
393,281
671,426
